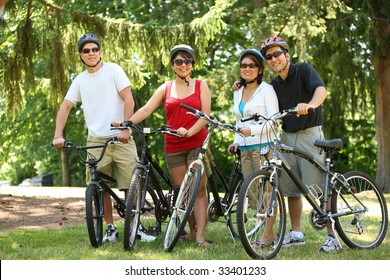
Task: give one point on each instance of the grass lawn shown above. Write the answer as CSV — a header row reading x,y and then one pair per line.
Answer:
x,y
72,243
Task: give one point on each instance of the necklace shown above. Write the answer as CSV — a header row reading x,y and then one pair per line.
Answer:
x,y
248,93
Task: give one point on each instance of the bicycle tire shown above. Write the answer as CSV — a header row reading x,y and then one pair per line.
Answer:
x,y
133,209
255,197
364,230
233,198
183,207
94,214
150,221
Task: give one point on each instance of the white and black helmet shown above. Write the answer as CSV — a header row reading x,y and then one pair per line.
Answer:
x,y
87,38
181,48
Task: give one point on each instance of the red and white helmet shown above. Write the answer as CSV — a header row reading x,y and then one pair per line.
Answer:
x,y
272,42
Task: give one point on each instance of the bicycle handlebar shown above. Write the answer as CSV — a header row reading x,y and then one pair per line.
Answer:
x,y
87,160
276,116
200,114
146,130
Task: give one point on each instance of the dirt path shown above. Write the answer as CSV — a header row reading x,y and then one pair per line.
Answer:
x,y
41,207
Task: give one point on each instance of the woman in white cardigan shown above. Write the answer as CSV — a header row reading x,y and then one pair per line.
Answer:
x,y
253,96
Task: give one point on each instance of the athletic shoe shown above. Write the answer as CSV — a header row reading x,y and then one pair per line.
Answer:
x,y
294,238
144,236
111,234
331,244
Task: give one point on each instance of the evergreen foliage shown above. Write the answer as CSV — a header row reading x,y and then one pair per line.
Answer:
x,y
38,60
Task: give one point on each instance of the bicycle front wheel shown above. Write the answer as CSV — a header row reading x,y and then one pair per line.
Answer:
x,y
256,217
183,207
232,203
361,211
133,209
94,214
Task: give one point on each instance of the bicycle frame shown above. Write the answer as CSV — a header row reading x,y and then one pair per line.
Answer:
x,y
206,162
151,168
278,161
281,148
210,165
97,176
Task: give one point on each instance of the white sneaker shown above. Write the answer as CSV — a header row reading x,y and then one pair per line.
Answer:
x,y
144,236
111,234
294,238
331,244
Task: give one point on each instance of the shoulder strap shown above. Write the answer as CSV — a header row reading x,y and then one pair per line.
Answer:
x,y
167,89
197,86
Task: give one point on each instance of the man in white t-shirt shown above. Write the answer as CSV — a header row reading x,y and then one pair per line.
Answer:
x,y
105,94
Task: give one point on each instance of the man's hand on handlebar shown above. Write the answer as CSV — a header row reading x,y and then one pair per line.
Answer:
x,y
303,109
124,136
58,142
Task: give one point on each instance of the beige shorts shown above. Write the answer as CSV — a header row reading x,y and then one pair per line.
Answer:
x,y
118,161
303,140
181,158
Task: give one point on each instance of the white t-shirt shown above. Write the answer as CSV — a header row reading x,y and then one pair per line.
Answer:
x,y
99,94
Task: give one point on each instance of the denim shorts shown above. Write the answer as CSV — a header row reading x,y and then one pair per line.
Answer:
x,y
303,140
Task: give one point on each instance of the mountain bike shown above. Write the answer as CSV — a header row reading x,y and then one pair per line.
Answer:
x,y
358,210
183,206
148,179
94,206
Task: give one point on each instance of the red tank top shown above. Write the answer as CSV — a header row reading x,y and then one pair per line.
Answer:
x,y
176,117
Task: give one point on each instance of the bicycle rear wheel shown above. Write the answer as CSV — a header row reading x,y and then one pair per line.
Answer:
x,y
133,209
254,219
94,214
183,207
364,220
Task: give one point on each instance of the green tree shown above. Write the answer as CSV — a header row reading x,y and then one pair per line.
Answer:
x,y
346,41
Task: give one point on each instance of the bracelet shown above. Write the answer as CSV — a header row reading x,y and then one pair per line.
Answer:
x,y
57,137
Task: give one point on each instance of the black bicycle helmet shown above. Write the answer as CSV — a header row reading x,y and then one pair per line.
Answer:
x,y
181,48
254,52
271,42
87,38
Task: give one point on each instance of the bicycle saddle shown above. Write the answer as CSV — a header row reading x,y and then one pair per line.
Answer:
x,y
333,145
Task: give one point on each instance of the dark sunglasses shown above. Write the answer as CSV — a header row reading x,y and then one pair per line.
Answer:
x,y
250,65
274,54
94,50
179,62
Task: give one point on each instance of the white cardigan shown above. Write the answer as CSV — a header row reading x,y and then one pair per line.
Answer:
x,y
264,101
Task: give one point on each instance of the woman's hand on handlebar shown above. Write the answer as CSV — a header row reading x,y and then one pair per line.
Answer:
x,y
232,148
183,132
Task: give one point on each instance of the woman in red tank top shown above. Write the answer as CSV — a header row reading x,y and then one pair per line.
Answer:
x,y
180,152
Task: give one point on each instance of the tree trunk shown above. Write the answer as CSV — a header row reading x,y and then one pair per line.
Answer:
x,y
381,61
65,168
